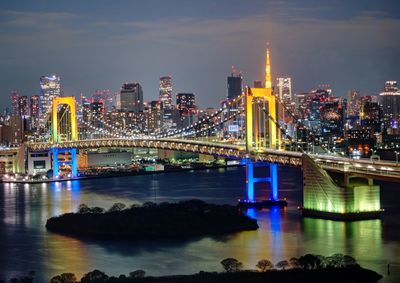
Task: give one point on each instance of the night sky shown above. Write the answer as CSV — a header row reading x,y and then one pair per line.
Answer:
x,y
97,44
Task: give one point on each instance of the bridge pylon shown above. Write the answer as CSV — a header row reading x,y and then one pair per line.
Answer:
x,y
70,134
258,100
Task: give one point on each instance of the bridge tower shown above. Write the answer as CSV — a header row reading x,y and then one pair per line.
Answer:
x,y
261,119
64,128
258,101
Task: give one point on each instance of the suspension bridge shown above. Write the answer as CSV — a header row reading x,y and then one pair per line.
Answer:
x,y
333,186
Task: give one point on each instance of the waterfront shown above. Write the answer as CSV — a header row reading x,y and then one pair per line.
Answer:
x,y
26,245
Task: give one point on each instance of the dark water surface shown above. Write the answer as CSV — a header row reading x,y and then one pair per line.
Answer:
x,y
26,245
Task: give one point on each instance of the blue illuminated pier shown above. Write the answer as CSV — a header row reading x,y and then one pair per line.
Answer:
x,y
251,181
56,162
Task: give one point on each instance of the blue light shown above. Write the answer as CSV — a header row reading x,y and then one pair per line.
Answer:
x,y
250,181
74,163
54,152
275,219
273,170
251,212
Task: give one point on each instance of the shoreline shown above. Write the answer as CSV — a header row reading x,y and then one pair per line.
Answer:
x,y
348,274
126,174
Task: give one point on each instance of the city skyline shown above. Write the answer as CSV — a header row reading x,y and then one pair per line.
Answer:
x,y
344,45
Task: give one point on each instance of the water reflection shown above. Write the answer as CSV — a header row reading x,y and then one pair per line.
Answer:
x,y
26,245
361,239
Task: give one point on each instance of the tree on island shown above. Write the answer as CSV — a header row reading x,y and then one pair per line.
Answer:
x,y
283,264
309,261
64,278
137,274
231,264
94,276
83,208
340,260
117,207
97,210
294,262
264,265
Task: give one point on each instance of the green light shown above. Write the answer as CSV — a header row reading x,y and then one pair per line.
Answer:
x,y
322,193
363,198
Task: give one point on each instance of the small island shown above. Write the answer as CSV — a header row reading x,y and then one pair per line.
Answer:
x,y
164,220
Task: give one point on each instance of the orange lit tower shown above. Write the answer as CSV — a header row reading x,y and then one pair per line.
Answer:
x,y
68,101
265,97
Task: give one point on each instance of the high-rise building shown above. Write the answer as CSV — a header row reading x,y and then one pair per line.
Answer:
x,y
235,84
49,88
23,106
153,118
285,89
14,103
371,116
390,100
131,97
354,103
185,102
16,129
391,86
165,95
34,111
332,120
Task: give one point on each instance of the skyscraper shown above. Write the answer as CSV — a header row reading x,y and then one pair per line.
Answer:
x,y
34,111
23,106
49,88
153,123
185,103
131,97
390,100
166,92
235,84
14,103
371,113
354,103
391,86
285,89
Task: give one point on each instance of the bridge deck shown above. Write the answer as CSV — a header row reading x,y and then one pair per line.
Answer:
x,y
364,168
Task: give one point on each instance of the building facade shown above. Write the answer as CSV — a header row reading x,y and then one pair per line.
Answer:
x,y
285,89
131,97
49,88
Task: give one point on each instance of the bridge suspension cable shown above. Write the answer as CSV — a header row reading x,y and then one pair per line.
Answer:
x,y
204,120
298,121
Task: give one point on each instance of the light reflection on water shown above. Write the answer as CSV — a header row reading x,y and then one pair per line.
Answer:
x,y
26,245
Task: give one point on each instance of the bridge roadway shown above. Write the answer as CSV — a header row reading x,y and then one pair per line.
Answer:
x,y
384,170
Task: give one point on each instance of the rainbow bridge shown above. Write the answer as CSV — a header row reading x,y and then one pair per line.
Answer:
x,y
333,187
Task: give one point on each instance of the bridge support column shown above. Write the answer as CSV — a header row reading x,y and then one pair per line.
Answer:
x,y
251,180
73,162
54,153
273,173
325,197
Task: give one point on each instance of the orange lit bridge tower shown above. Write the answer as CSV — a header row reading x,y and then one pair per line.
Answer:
x,y
262,132
64,128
